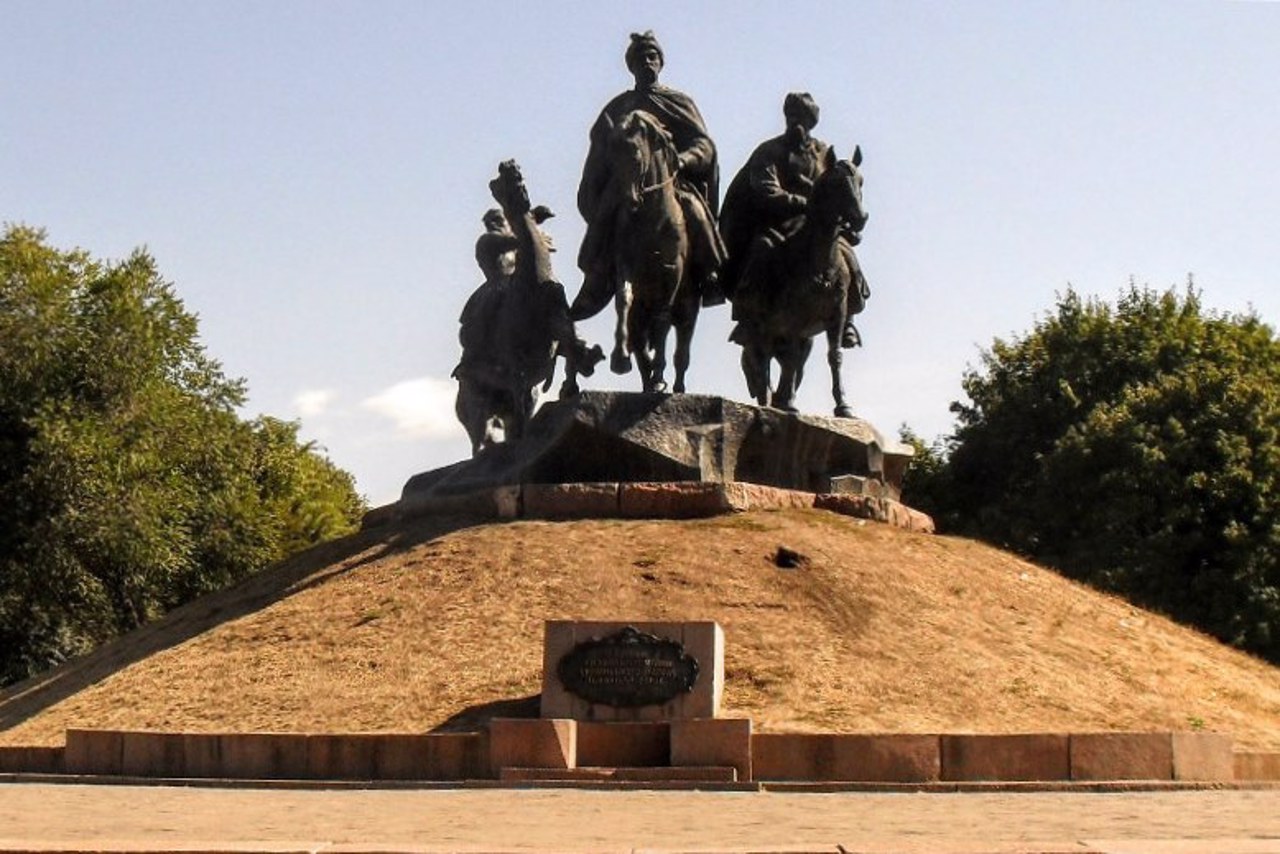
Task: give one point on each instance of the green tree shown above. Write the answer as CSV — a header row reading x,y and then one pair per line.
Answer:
x,y
1134,446
925,485
129,483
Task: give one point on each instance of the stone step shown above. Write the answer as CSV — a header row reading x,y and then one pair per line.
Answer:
x,y
657,774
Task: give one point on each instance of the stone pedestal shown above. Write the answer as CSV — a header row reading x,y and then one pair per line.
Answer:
x,y
702,641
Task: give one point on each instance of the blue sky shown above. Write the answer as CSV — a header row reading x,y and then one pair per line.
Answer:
x,y
311,175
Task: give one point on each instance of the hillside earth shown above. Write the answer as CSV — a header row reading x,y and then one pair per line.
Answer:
x,y
437,625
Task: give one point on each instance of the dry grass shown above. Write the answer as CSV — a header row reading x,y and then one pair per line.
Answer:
x,y
438,626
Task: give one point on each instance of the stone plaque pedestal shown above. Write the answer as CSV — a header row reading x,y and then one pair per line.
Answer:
x,y
701,640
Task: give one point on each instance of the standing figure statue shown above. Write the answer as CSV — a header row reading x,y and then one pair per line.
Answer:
x,y
516,323
791,218
649,195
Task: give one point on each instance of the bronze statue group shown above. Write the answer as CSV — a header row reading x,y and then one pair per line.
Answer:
x,y
659,247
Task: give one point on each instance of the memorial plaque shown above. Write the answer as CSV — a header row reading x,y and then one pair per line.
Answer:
x,y
627,669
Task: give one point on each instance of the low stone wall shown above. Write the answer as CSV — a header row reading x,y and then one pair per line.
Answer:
x,y
31,760
847,758
1257,766
279,756
565,745
659,500
1029,757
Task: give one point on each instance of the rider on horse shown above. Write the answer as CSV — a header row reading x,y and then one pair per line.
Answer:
x,y
495,254
766,204
698,181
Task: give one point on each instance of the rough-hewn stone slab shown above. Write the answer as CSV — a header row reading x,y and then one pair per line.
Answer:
x,y
569,500
885,510
671,500
622,437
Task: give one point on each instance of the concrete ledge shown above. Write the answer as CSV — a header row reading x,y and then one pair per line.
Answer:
x,y
1037,756
1202,756
711,774
1256,766
1121,756
532,743
713,741
889,758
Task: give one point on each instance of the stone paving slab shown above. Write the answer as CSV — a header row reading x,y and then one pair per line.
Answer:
x,y
80,819
1131,846
1187,846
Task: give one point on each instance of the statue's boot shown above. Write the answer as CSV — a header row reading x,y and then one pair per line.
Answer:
x,y
850,338
587,357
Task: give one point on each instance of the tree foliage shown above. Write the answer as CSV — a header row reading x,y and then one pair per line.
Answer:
x,y
129,483
1134,446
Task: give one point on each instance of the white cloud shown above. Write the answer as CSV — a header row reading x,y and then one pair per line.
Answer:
x,y
420,409
313,402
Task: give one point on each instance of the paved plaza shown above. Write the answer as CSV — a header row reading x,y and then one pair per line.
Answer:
x,y
114,818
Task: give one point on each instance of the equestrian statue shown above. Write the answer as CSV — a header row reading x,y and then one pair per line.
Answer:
x,y
791,218
649,194
515,324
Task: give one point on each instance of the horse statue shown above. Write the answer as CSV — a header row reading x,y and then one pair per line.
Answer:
x,y
653,291
808,284
522,326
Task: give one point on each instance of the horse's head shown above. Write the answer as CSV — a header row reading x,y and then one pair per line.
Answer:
x,y
643,156
508,189
837,196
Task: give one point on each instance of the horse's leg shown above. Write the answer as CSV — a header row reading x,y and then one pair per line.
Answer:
x,y
620,359
685,324
835,357
784,393
564,344
792,358
521,410
755,367
659,329
802,359
640,330
474,422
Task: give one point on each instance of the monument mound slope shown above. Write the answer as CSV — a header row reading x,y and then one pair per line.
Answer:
x,y
438,625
